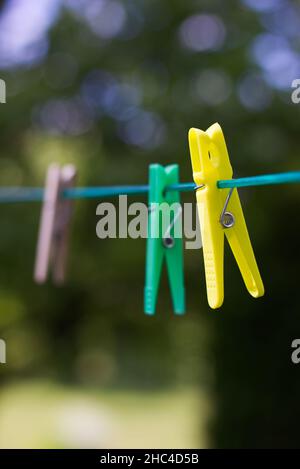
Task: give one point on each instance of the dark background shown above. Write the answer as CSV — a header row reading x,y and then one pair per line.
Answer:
x,y
113,86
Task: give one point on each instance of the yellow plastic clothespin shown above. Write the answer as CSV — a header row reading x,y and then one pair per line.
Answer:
x,y
210,162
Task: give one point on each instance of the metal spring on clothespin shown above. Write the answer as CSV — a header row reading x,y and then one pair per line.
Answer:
x,y
227,219
168,239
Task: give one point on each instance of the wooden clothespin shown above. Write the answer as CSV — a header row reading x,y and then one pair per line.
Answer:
x,y
161,242
54,227
210,162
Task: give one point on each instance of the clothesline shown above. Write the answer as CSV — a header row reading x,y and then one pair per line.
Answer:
x,y
34,194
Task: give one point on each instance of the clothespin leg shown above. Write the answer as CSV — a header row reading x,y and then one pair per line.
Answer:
x,y
59,260
175,266
154,260
174,253
241,247
213,248
47,222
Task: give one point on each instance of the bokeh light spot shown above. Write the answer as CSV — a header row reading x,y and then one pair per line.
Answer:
x,y
145,130
213,86
253,92
201,33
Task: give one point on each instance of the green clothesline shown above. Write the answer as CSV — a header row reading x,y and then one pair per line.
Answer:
x,y
31,194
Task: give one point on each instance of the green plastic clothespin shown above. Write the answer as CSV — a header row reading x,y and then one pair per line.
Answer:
x,y
163,241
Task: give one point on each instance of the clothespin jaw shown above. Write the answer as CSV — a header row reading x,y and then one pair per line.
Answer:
x,y
162,241
210,162
54,227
